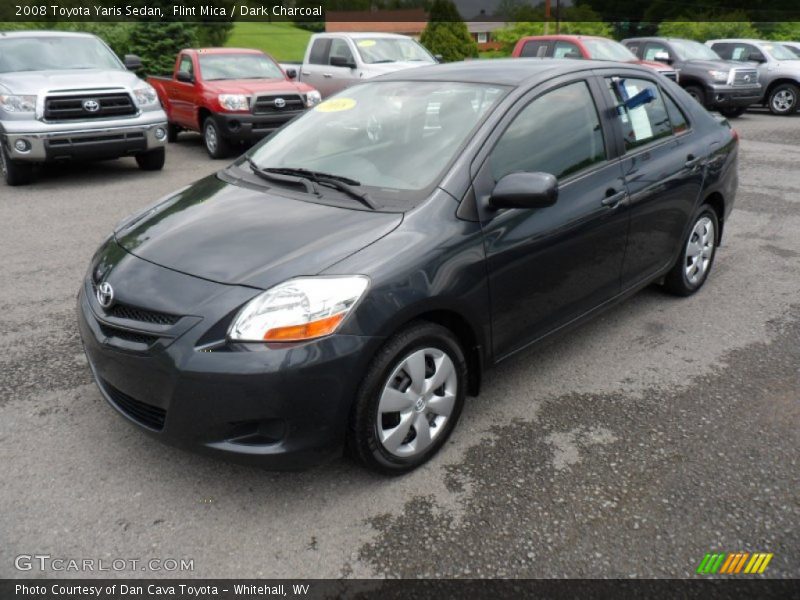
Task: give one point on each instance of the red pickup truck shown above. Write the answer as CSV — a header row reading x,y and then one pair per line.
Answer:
x,y
232,96
583,46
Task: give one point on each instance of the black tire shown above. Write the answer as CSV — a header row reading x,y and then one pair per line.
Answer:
x,y
216,145
14,172
696,92
783,99
677,281
732,112
172,133
152,160
363,442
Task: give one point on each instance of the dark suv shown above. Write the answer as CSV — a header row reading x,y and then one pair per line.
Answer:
x,y
717,84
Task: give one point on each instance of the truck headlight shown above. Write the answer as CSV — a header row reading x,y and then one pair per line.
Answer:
x,y
145,95
18,104
299,309
234,101
719,76
313,98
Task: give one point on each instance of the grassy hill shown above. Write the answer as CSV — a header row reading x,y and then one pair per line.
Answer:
x,y
283,41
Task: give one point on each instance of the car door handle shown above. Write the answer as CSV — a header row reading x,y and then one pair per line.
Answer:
x,y
692,161
306,73
613,198
327,75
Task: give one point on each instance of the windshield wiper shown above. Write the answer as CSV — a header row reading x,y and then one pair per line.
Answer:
x,y
343,184
269,175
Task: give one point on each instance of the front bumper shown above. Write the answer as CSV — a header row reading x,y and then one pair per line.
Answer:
x,y
722,96
283,407
245,127
84,139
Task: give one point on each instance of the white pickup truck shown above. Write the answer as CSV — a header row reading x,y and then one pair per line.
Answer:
x,y
334,61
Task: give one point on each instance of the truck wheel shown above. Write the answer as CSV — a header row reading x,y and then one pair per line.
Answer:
x,y
151,161
216,145
732,112
15,173
783,99
697,93
172,133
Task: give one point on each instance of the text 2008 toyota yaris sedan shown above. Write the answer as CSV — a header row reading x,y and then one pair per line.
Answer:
x,y
346,282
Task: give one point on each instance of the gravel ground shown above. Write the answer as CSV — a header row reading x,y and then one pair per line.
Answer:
x,y
663,430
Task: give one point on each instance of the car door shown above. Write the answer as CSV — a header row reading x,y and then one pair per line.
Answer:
x,y
548,266
316,65
339,77
183,100
663,166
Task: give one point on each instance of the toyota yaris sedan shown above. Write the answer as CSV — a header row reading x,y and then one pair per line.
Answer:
x,y
345,283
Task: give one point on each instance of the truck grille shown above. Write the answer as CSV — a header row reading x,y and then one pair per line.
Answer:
x,y
88,106
745,77
265,105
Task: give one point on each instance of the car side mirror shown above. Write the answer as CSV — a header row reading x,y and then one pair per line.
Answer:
x,y
184,76
756,57
341,61
291,73
439,58
662,57
525,190
132,62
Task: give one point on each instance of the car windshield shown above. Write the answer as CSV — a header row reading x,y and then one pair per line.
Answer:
x,y
608,50
779,52
394,137
689,50
793,49
47,53
389,50
215,67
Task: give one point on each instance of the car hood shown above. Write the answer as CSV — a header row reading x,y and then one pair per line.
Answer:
x,y
237,235
256,86
41,82
714,64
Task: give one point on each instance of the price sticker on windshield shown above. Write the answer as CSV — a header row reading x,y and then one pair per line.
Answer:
x,y
336,105
366,43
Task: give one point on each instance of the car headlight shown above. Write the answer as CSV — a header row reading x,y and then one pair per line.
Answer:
x,y
719,76
234,101
313,98
18,104
145,95
299,309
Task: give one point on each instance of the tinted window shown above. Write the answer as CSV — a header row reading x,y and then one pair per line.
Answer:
x,y
340,49
566,50
653,48
186,65
741,52
557,133
633,47
644,122
319,52
724,50
531,49
676,116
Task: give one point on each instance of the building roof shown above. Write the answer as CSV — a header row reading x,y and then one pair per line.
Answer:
x,y
379,21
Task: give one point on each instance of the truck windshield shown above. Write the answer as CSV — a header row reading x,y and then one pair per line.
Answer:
x,y
779,52
689,50
391,137
608,50
389,50
46,53
216,67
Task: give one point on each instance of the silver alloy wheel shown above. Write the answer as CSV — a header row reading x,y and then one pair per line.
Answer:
x,y
783,101
699,250
211,138
416,402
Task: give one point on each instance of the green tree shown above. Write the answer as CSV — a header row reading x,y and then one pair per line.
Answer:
x,y
788,31
701,28
158,43
582,21
446,33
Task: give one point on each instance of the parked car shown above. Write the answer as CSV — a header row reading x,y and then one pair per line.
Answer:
x,y
334,61
233,96
778,70
347,281
584,46
715,83
67,96
793,47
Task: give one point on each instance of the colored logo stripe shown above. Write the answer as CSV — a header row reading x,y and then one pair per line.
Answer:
x,y
732,563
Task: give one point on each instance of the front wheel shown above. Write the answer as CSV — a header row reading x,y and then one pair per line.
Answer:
x,y
732,112
216,145
410,400
783,99
14,172
692,268
697,93
152,160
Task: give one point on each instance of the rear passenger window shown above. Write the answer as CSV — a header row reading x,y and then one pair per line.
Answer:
x,y
319,52
534,49
679,121
558,133
640,110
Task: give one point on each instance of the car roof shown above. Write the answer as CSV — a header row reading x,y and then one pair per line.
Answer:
x,y
223,50
42,33
564,36
741,40
505,71
363,34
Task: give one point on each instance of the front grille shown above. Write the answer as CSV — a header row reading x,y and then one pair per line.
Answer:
x,y
133,313
745,77
265,105
129,336
65,108
147,415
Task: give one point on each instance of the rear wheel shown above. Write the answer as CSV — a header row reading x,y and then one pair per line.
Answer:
x,y
692,268
152,160
696,92
783,99
14,173
733,112
216,145
410,399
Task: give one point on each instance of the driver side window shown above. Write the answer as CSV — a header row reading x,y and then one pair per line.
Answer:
x,y
340,49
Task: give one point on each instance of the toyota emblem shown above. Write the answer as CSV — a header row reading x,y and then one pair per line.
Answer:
x,y
105,294
747,78
91,105
280,102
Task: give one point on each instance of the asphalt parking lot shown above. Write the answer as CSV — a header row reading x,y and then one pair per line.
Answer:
x,y
665,429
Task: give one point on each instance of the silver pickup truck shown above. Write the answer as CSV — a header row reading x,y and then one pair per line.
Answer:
x,y
67,96
334,61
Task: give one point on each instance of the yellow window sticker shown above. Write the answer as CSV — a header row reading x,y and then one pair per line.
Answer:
x,y
366,43
336,105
